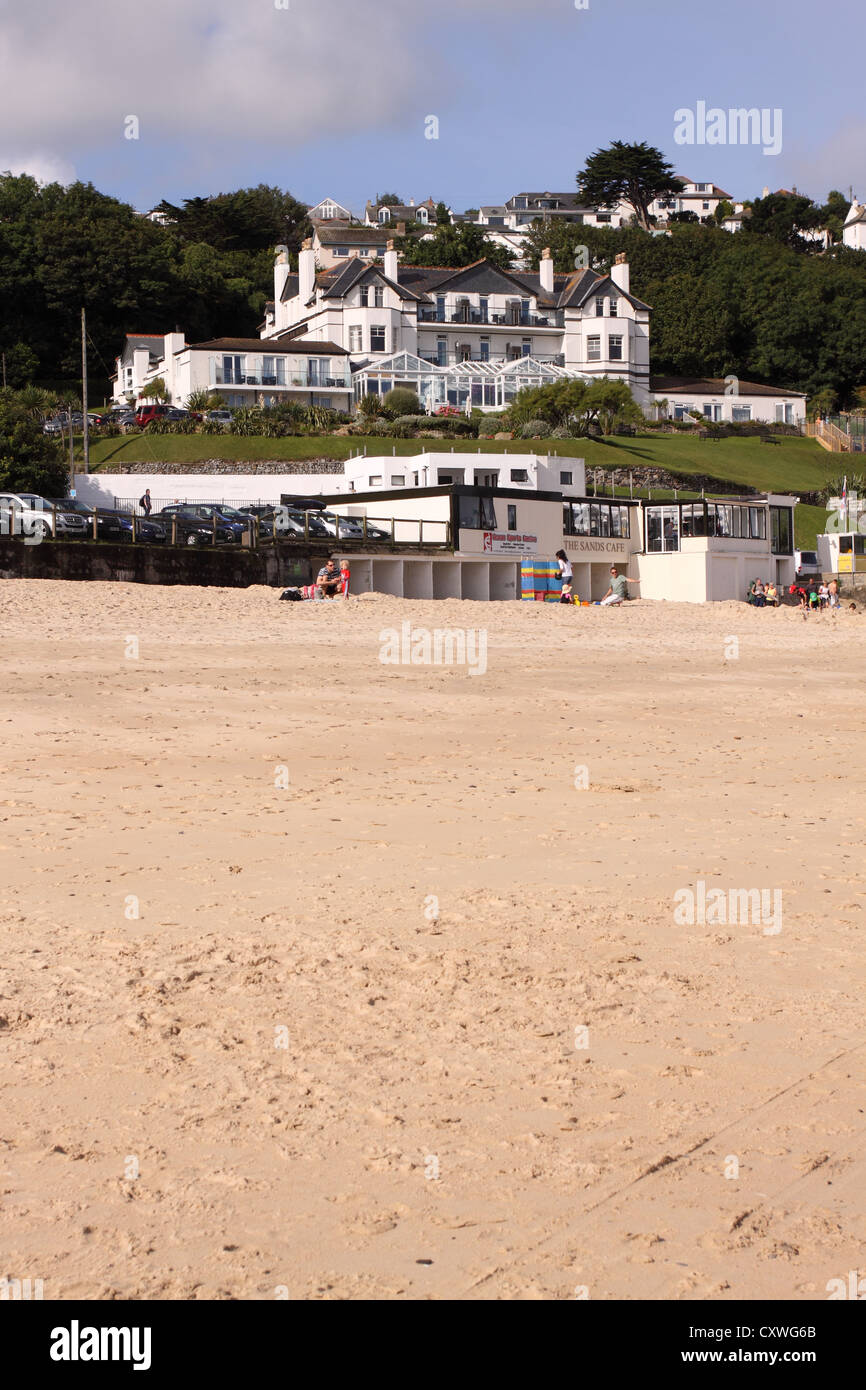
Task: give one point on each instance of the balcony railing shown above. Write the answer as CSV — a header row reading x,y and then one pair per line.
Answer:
x,y
220,377
554,319
498,360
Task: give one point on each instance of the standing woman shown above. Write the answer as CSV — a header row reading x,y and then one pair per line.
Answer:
x,y
565,572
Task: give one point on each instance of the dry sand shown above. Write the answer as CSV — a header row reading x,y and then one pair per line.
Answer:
x,y
415,1045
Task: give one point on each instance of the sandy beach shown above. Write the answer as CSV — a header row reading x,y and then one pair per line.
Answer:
x,y
334,979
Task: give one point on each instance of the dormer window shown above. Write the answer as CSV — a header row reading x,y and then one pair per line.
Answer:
x,y
422,214
613,308
384,214
365,297
378,296
599,307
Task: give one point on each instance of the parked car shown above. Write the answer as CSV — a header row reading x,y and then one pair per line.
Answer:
x,y
205,513
221,417
108,525
145,413
239,516
29,515
347,528
190,528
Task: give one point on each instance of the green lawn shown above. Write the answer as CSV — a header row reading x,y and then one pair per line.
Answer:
x,y
793,464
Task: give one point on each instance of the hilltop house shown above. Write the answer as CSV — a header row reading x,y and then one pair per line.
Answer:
x,y
328,210
700,198
389,214
854,230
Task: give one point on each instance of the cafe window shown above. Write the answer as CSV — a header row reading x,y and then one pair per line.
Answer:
x,y
476,513
662,528
781,531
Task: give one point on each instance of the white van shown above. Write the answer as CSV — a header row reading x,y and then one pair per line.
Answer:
x,y
806,564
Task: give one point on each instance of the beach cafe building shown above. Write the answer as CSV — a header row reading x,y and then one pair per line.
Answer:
x,y
471,523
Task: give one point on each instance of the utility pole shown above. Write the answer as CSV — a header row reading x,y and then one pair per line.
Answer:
x,y
84,392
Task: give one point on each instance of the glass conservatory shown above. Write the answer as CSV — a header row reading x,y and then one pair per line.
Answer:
x,y
464,385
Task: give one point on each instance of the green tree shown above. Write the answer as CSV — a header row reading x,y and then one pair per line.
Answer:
x,y
388,200
634,174
154,390
784,216
30,461
452,245
250,219
20,364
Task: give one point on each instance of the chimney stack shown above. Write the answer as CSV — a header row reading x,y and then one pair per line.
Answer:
x,y
545,271
619,272
281,271
306,271
401,228
391,262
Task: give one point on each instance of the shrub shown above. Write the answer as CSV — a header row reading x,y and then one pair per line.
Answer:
x,y
535,429
370,406
211,427
402,401
561,432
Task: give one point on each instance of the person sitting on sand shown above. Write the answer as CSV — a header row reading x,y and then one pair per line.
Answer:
x,y
618,591
329,580
772,594
566,596
760,594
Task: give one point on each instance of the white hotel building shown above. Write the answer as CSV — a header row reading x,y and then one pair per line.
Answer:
x,y
471,337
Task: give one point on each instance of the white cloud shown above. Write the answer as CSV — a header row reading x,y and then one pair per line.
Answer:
x,y
42,165
218,71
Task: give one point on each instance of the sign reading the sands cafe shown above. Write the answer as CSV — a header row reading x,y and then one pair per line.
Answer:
x,y
597,546
510,543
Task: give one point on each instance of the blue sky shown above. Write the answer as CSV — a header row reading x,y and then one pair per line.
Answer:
x,y
331,96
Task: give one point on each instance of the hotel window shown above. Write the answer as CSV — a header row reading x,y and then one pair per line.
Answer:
x,y
526,347
613,309
599,307
365,297
565,479
757,523
519,475
484,350
378,297
377,338
398,480
442,352
593,349
375,480
741,412
712,412
512,516
440,308
614,347
356,343
483,308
